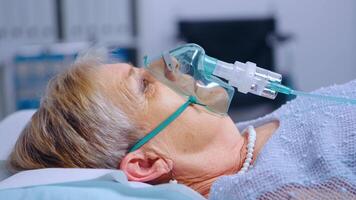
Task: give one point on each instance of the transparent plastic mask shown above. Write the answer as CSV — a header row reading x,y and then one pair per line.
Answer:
x,y
185,71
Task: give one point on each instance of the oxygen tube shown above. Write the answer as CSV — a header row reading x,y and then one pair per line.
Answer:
x,y
248,78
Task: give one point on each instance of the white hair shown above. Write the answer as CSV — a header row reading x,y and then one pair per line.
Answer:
x,y
77,124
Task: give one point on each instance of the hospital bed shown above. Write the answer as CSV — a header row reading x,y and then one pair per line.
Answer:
x,y
70,183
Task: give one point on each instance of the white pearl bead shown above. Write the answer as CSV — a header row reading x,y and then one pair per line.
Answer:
x,y
248,160
173,181
250,147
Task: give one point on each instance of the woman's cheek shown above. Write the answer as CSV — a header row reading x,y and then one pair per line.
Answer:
x,y
215,97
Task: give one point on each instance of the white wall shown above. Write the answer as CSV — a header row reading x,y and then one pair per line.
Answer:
x,y
25,22
323,53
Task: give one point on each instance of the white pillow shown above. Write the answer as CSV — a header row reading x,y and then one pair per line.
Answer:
x,y
10,129
4,173
48,176
9,188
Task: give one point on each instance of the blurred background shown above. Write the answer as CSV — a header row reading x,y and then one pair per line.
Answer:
x,y
311,43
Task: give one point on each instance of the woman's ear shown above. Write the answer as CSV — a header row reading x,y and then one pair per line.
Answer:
x,y
141,167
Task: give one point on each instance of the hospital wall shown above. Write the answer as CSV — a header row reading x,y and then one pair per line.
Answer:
x,y
322,52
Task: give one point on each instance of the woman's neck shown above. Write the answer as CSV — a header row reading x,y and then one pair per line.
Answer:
x,y
263,132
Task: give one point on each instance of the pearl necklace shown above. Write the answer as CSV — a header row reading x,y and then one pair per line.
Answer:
x,y
250,147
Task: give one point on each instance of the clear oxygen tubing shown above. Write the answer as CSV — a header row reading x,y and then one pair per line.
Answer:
x,y
288,91
248,78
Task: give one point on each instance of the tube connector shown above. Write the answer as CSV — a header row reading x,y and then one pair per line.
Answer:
x,y
248,78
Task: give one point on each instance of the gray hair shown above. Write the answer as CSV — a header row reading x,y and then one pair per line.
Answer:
x,y
77,124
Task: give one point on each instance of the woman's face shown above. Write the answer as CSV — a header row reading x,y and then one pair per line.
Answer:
x,y
197,141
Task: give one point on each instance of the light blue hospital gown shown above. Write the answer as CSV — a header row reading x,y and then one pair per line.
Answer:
x,y
312,155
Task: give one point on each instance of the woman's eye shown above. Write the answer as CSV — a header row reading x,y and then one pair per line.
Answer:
x,y
144,84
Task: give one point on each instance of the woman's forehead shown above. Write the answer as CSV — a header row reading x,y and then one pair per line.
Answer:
x,y
114,75
119,70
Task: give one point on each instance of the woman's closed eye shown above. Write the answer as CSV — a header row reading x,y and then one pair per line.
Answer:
x,y
145,83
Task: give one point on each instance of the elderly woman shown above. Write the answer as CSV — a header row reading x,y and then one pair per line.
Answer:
x,y
92,115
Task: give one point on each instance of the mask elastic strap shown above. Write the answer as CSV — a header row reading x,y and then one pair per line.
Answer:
x,y
165,123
